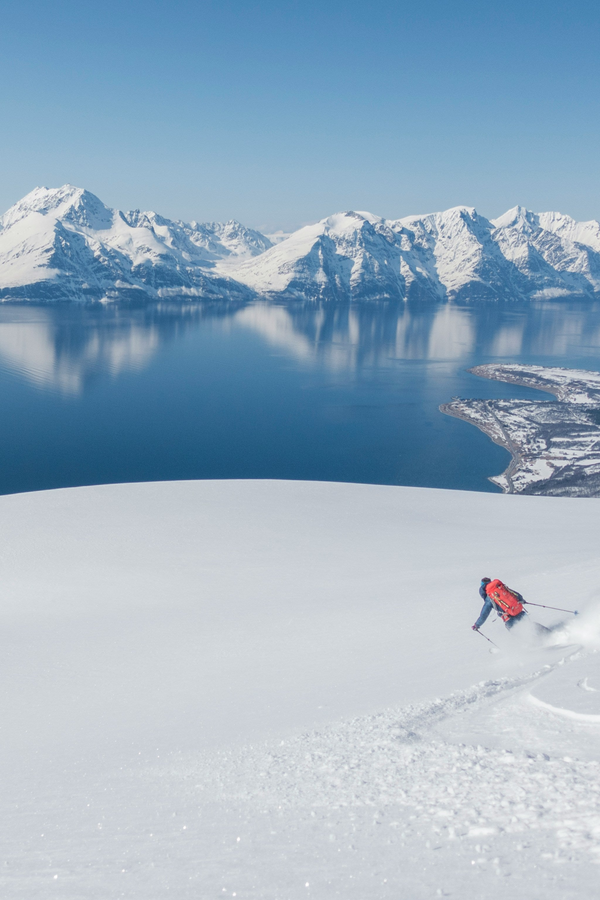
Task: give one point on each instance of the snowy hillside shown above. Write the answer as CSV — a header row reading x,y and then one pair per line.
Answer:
x,y
65,244
271,689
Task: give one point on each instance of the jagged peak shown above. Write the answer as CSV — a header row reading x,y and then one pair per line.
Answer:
x,y
65,202
553,216
346,223
41,200
517,217
52,196
557,221
231,225
137,218
347,220
469,211
587,233
436,219
451,212
563,226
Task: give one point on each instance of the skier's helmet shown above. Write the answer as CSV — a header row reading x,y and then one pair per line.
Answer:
x,y
485,580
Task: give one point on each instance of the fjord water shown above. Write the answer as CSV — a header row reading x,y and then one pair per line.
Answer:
x,y
97,394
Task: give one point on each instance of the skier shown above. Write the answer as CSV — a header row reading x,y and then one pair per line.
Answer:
x,y
507,603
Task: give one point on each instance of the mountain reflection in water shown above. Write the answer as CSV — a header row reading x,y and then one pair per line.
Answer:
x,y
90,394
66,347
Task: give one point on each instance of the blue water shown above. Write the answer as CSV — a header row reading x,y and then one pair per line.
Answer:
x,y
91,395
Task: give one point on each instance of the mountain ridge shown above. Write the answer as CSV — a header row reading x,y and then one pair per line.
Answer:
x,y
64,243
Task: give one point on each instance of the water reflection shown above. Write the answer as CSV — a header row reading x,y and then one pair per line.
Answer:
x,y
65,348
44,357
374,334
344,337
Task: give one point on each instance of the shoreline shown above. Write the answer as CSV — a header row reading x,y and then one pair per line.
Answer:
x,y
503,441
554,445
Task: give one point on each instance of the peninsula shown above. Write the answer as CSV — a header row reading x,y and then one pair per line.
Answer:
x,y
555,445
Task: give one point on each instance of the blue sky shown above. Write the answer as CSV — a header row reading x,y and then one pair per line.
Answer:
x,y
280,113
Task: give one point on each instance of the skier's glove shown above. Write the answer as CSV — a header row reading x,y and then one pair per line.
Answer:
x,y
474,628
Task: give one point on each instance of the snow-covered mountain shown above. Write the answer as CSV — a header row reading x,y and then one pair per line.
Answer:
x,y
64,243
456,254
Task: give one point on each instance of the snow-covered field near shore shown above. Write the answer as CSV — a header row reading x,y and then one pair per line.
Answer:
x,y
271,690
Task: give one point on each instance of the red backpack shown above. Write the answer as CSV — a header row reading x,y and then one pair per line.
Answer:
x,y
505,601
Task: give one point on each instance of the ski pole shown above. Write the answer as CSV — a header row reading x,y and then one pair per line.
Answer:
x,y
558,608
485,636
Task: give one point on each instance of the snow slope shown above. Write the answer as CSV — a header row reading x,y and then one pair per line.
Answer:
x,y
271,689
65,244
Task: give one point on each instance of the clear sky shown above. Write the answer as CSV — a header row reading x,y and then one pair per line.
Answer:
x,y
279,113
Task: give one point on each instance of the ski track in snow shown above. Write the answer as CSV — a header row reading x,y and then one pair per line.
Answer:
x,y
361,808
379,789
